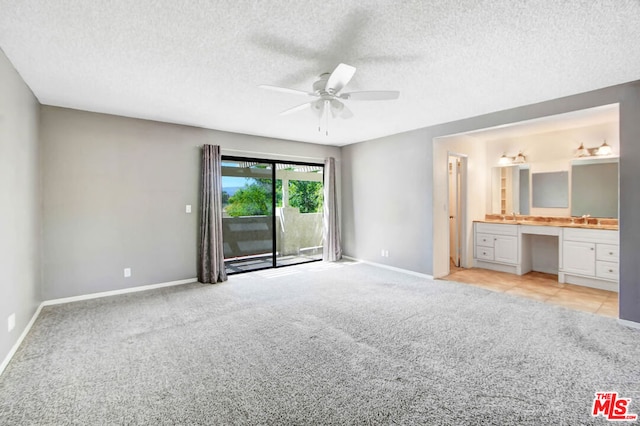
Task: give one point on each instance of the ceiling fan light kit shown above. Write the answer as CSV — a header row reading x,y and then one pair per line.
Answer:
x,y
327,89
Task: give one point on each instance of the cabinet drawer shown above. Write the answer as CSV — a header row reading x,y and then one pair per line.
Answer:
x,y
607,252
590,235
484,253
497,228
607,270
485,240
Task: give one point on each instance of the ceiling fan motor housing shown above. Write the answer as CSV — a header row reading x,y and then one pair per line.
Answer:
x,y
320,85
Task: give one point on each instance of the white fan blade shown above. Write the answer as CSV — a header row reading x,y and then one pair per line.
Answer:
x,y
296,108
339,78
371,95
285,90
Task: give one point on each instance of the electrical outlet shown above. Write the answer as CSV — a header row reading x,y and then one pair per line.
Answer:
x,y
11,322
127,272
382,252
386,253
187,209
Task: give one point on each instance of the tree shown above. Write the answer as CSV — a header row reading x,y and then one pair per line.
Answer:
x,y
252,200
306,195
255,198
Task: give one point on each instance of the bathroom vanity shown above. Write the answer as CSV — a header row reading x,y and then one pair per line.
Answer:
x,y
587,251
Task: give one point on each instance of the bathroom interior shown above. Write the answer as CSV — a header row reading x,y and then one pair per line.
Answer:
x,y
532,209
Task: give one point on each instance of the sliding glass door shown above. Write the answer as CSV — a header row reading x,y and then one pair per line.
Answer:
x,y
299,213
247,221
272,213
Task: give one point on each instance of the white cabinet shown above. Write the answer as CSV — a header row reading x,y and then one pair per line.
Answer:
x,y
496,246
587,256
579,257
590,257
505,249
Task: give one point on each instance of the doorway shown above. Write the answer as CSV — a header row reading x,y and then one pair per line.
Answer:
x,y
272,213
454,212
456,187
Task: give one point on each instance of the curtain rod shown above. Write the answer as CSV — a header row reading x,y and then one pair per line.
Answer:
x,y
272,154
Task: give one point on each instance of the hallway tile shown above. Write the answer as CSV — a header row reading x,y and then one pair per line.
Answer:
x,y
542,287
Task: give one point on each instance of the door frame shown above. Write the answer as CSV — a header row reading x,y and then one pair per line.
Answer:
x,y
273,164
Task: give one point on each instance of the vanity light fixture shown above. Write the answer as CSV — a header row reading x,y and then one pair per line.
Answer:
x,y
604,149
520,158
504,160
582,151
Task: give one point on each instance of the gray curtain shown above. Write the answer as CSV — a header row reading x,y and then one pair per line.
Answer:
x,y
210,253
331,250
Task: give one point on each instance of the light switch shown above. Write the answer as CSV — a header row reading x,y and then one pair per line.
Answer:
x,y
188,208
11,322
127,272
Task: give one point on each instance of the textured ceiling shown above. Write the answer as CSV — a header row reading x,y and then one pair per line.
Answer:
x,y
200,62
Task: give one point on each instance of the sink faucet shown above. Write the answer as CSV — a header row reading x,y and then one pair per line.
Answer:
x,y
585,218
514,215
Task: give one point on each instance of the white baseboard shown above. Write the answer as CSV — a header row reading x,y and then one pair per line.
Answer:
x,y
500,267
15,347
116,292
565,277
392,268
628,323
26,330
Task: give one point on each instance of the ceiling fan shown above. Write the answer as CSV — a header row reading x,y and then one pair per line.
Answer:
x,y
327,91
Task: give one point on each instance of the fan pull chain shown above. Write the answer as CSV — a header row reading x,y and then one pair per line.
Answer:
x,y
324,116
327,107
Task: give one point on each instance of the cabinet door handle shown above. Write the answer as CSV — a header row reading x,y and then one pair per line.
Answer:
x,y
610,270
591,249
610,253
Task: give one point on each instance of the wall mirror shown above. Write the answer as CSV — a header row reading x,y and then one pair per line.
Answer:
x,y
510,189
594,187
550,189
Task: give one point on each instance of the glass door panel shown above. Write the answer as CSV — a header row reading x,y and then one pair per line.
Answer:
x,y
247,222
299,213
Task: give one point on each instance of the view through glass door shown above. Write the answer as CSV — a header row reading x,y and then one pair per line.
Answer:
x,y
272,213
299,217
247,219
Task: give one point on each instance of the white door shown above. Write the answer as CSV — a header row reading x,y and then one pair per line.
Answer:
x,y
579,258
455,209
505,249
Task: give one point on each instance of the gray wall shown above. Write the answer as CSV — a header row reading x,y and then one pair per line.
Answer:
x,y
388,188
19,204
630,203
114,195
386,202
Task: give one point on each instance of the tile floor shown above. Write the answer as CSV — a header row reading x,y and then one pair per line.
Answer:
x,y
542,287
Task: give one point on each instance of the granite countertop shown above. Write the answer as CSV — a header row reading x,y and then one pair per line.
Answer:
x,y
564,222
